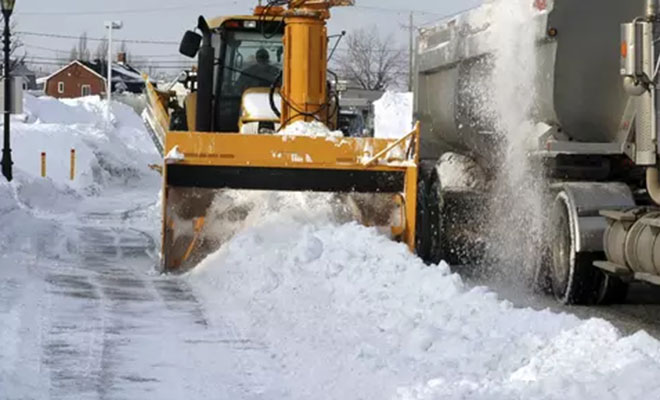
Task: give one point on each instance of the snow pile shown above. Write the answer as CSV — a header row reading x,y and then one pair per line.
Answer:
x,y
32,208
343,312
21,205
310,129
119,154
394,115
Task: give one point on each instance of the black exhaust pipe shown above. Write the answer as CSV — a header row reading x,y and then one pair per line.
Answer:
x,y
205,80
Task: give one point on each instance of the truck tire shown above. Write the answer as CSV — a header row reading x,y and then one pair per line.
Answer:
x,y
612,290
573,278
428,232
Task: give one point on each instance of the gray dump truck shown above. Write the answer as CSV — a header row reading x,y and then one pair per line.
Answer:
x,y
598,67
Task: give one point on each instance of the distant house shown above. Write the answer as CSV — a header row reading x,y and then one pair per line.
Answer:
x,y
20,70
29,77
88,78
125,78
74,80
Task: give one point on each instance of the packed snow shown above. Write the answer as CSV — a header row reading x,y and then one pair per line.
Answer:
x,y
297,304
346,313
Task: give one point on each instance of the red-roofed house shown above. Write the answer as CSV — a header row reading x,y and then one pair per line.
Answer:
x,y
74,80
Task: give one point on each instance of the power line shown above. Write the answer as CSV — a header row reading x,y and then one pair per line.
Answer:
x,y
397,10
134,61
59,51
59,36
143,67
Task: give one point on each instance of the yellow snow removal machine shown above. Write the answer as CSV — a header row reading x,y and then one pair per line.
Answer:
x,y
257,75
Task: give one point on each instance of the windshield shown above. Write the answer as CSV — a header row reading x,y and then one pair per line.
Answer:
x,y
251,59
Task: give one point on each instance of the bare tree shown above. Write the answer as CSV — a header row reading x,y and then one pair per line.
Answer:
x,y
73,54
63,58
370,61
16,52
102,50
83,49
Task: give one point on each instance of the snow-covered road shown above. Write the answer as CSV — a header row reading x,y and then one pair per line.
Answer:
x,y
100,324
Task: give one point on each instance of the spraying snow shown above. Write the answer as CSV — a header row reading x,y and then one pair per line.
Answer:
x,y
513,36
393,115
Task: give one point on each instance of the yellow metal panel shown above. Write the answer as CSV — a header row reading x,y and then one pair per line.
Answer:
x,y
304,92
191,111
212,149
219,21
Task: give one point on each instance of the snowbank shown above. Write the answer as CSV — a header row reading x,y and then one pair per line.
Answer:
x,y
109,158
343,312
105,155
393,115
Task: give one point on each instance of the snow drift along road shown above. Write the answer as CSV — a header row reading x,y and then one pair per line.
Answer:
x,y
346,313
107,159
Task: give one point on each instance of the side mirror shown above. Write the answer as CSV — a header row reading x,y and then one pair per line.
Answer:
x,y
190,44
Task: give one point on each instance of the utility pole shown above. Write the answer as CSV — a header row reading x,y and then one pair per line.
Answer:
x,y
411,51
110,25
7,10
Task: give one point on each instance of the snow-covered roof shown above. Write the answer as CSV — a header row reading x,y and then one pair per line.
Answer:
x,y
46,79
126,72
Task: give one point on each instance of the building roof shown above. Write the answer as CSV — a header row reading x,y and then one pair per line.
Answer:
x,y
70,64
121,72
20,69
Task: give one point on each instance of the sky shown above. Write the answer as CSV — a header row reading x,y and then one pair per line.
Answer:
x,y
167,20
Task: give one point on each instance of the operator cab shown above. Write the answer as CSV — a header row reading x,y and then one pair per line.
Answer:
x,y
247,59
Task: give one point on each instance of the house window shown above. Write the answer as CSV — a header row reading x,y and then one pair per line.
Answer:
x,y
60,87
86,90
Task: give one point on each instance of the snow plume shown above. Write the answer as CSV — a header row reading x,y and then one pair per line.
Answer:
x,y
517,206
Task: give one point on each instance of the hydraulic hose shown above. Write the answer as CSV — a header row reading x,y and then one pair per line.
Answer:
x,y
653,183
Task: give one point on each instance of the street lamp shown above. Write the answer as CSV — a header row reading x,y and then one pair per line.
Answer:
x,y
110,25
7,10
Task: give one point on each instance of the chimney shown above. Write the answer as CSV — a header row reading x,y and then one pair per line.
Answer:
x,y
121,58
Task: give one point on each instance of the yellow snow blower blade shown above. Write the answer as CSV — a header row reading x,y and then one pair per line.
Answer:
x,y
222,139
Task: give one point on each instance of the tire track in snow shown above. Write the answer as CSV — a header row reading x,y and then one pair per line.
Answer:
x,y
118,331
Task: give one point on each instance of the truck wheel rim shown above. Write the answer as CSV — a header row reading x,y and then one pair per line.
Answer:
x,y
562,250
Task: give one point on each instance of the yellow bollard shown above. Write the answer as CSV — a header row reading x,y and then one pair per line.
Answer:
x,y
73,164
43,165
